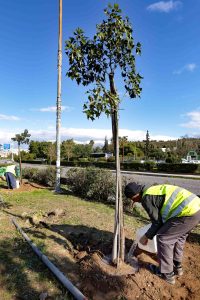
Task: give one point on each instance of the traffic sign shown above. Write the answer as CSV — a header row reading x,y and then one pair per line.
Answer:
x,y
6,146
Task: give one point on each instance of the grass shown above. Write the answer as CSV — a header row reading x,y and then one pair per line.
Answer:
x,y
22,273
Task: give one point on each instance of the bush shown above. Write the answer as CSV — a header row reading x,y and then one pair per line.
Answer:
x,y
92,183
111,159
149,165
83,159
29,173
42,176
96,184
47,176
102,159
177,168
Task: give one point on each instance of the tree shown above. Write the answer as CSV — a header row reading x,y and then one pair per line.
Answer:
x,y
106,146
82,150
147,143
91,143
122,142
67,148
22,138
51,152
95,62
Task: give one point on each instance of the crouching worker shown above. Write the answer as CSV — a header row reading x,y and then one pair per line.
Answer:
x,y
174,212
10,175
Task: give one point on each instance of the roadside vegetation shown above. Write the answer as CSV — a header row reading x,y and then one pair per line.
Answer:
x,y
170,151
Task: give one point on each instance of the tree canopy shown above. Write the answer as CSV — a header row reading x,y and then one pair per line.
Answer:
x,y
95,61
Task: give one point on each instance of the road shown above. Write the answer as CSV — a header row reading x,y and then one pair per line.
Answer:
x,y
185,181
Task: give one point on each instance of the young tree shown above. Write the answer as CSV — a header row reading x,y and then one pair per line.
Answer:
x,y
51,152
106,146
95,62
122,142
147,143
22,138
67,148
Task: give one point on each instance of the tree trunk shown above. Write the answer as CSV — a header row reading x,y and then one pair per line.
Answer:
x,y
118,240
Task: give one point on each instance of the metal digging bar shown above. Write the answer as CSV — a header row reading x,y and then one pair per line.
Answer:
x,y
60,276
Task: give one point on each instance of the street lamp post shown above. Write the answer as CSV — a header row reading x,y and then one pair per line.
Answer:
x,y
58,103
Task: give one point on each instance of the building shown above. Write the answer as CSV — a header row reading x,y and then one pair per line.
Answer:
x,y
192,157
98,155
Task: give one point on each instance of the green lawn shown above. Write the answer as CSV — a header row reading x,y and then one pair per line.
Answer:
x,y
81,224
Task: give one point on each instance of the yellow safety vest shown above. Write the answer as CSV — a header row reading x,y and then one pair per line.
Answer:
x,y
178,202
11,169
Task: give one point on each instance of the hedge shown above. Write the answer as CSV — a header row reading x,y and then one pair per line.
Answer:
x,y
177,168
134,166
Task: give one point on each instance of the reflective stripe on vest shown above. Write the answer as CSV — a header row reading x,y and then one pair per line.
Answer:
x,y
183,204
166,210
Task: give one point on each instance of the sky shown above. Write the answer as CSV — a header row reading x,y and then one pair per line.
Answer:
x,y
169,106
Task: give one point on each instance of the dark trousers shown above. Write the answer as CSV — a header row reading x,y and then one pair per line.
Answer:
x,y
11,180
171,238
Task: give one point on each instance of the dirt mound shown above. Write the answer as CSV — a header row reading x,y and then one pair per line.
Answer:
x,y
100,282
26,186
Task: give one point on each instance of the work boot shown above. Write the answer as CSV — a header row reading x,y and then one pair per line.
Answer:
x,y
168,277
178,270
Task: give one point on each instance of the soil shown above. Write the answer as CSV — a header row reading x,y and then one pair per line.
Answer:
x,y
25,186
99,280
102,281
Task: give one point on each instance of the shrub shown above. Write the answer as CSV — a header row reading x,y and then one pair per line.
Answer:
x,y
42,176
111,159
149,165
96,184
47,176
92,183
102,159
83,159
29,173
177,168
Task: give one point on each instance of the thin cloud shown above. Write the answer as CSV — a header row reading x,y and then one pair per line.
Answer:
x,y
98,135
164,6
188,68
53,109
9,118
194,120
81,135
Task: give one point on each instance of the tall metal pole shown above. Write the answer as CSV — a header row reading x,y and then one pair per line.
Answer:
x,y
58,111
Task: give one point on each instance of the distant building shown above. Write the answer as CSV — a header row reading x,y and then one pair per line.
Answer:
x,y
6,153
165,150
100,154
192,156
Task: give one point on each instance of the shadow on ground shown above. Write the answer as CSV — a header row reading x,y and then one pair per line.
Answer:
x,y
23,275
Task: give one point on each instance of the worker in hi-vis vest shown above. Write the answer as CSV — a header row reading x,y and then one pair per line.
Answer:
x,y
10,175
174,212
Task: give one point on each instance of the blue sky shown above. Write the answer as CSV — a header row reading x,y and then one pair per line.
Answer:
x,y
169,32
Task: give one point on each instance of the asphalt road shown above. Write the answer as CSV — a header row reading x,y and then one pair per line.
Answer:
x,y
186,181
192,185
